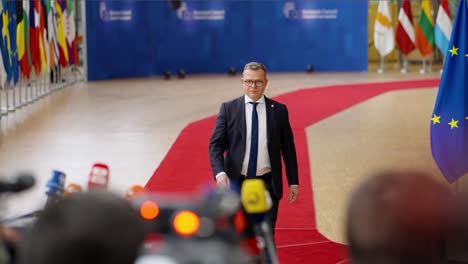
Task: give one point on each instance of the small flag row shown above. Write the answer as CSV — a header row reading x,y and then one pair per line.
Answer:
x,y
423,35
36,36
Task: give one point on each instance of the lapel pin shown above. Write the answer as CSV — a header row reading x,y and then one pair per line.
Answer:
x,y
272,105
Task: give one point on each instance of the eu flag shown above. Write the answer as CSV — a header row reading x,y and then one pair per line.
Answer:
x,y
13,41
449,122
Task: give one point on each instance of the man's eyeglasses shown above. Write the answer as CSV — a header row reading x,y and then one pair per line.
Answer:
x,y
252,82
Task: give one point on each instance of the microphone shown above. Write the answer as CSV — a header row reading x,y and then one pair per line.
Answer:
x,y
255,199
22,182
135,191
257,202
55,184
55,187
98,177
221,202
220,206
71,189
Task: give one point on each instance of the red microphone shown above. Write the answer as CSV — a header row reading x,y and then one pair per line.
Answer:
x,y
98,176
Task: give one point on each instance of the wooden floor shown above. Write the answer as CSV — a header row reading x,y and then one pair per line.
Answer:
x,y
130,125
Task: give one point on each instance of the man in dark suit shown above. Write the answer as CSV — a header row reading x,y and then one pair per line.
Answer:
x,y
253,132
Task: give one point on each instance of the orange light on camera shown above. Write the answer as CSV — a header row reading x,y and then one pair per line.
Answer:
x,y
149,210
186,223
240,223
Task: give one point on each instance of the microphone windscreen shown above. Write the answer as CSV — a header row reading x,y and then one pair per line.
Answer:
x,y
98,176
21,182
255,197
56,183
24,181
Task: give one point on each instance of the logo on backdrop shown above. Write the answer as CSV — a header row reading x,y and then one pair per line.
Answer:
x,y
106,14
290,11
184,13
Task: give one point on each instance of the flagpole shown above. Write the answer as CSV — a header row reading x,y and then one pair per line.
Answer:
x,y
423,69
381,68
443,63
429,69
9,107
36,91
13,91
5,107
29,89
24,84
41,87
404,69
44,86
7,98
2,112
20,94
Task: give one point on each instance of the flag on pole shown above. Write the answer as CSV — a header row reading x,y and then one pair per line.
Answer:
x,y
13,47
383,29
52,32
6,42
443,28
425,29
34,35
71,33
21,37
449,122
45,7
3,74
61,37
42,41
26,10
404,35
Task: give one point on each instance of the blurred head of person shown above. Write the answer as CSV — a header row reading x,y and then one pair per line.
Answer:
x,y
89,227
398,217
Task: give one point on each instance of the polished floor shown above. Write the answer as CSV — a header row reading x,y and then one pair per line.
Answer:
x,y
130,125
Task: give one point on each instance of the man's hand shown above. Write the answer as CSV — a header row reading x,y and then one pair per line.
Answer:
x,y
293,193
223,181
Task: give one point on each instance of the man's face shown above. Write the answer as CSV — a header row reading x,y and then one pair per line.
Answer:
x,y
254,83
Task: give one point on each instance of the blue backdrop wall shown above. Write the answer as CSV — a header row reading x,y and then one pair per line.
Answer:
x,y
145,38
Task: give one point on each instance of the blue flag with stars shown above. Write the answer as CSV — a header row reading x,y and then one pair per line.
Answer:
x,y
449,122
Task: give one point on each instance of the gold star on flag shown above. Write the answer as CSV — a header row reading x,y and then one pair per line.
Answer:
x,y
435,119
453,123
453,51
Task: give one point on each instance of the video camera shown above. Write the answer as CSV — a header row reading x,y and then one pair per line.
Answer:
x,y
194,230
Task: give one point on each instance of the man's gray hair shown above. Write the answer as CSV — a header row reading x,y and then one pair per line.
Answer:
x,y
255,66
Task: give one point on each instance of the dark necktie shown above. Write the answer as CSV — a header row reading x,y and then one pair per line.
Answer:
x,y
252,167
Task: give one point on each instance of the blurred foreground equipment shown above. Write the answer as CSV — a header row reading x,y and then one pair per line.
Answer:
x,y
194,230
257,202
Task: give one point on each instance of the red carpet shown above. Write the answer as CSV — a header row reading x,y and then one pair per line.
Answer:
x,y
186,167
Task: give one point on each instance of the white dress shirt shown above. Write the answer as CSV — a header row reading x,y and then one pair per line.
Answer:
x,y
263,158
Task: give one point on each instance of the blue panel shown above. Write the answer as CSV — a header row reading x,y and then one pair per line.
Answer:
x,y
329,34
212,35
115,44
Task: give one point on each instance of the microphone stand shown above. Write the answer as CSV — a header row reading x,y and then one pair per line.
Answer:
x,y
265,243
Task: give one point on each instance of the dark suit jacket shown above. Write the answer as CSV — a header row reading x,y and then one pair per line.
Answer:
x,y
229,137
